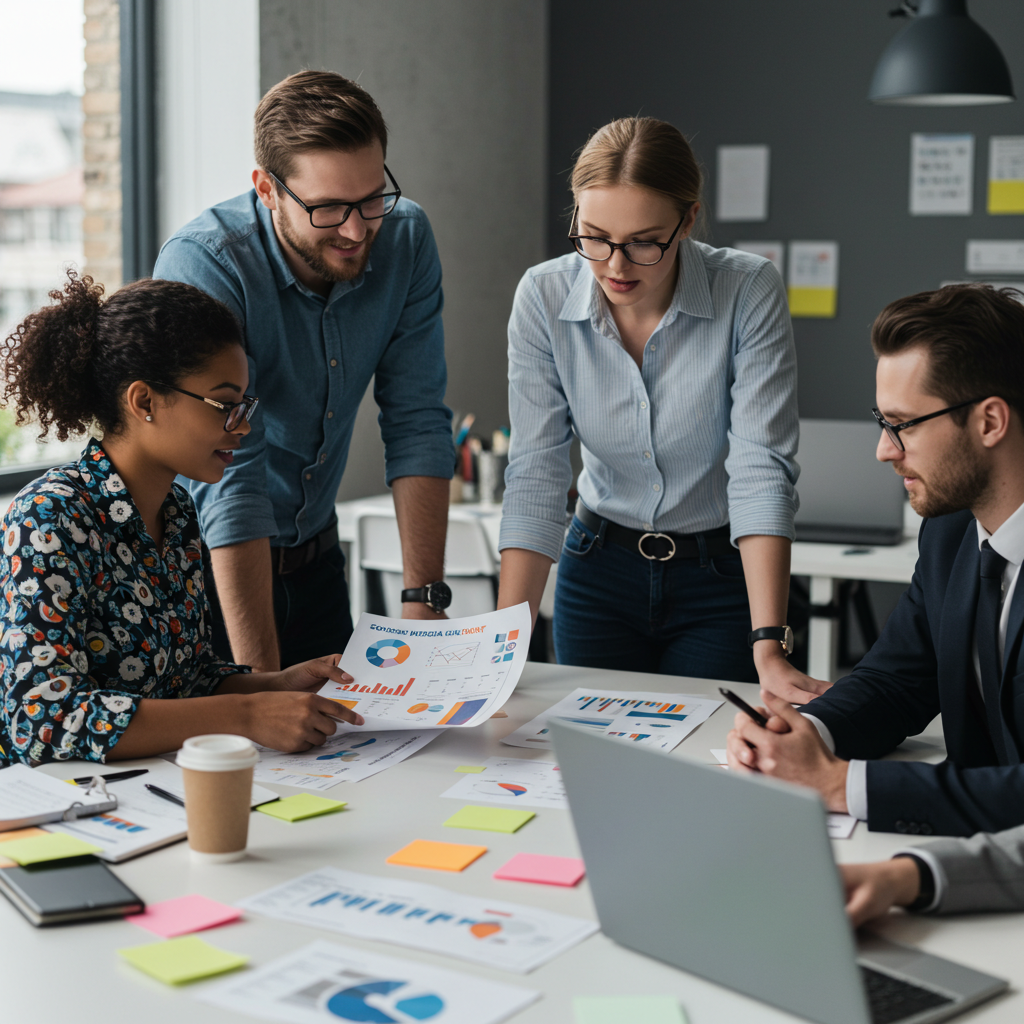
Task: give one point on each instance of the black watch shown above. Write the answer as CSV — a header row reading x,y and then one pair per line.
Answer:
x,y
926,887
784,635
436,596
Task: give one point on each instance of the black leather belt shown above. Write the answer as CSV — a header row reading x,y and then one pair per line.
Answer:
x,y
658,547
286,560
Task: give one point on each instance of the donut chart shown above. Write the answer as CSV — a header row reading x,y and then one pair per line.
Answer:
x,y
387,652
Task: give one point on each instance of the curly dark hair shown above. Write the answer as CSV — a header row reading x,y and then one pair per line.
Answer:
x,y
70,363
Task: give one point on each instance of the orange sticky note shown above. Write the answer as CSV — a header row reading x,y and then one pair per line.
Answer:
x,y
424,853
18,833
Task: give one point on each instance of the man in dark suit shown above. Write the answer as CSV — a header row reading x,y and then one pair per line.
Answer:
x,y
950,393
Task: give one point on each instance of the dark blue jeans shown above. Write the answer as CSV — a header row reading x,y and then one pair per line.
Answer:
x,y
615,609
310,607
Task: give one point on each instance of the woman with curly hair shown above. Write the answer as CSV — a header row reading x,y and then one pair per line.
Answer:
x,y
104,620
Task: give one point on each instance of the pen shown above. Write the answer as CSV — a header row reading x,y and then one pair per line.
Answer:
x,y
743,706
114,777
163,794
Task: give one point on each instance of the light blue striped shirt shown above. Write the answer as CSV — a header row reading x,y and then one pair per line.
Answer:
x,y
704,434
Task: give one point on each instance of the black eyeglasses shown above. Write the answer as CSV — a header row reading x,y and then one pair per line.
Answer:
x,y
333,215
645,254
234,412
893,429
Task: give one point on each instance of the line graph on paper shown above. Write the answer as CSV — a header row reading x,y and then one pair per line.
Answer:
x,y
459,655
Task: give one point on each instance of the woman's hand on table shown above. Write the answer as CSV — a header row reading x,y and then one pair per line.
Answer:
x,y
779,678
293,720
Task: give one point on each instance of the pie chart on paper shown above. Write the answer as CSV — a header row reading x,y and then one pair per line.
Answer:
x,y
505,789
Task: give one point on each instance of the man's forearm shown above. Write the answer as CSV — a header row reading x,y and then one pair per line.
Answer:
x,y
244,579
421,506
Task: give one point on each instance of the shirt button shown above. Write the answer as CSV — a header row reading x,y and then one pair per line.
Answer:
x,y
330,415
334,362
309,476
657,487
643,405
323,459
647,455
652,348
647,526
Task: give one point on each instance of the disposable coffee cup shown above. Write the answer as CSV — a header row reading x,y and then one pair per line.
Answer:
x,y
217,771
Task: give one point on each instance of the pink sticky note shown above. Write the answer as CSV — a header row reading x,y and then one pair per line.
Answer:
x,y
183,915
538,867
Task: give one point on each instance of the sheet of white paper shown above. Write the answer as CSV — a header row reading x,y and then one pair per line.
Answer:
x,y
514,782
941,174
490,932
813,264
345,757
429,674
659,720
326,982
26,793
742,183
995,257
1006,158
774,251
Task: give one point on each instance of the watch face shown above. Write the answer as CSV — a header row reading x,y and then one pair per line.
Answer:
x,y
439,596
788,641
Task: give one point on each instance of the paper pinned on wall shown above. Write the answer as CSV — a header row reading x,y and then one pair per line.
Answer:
x,y
742,184
813,278
774,251
995,257
1006,174
941,174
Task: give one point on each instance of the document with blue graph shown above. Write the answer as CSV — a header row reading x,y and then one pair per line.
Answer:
x,y
659,720
432,673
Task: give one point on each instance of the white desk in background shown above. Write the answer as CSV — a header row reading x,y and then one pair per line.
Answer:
x,y
74,973
825,564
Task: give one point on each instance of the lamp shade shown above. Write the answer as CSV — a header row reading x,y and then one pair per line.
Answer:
x,y
942,58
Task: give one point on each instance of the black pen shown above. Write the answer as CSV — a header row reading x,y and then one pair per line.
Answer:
x,y
163,794
115,777
743,706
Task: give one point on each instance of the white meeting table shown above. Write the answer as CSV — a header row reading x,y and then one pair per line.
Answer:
x,y
73,972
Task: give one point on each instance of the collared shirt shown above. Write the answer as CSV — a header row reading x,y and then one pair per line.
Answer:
x,y
704,433
93,616
310,361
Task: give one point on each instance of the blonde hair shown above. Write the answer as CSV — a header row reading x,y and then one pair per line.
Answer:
x,y
642,152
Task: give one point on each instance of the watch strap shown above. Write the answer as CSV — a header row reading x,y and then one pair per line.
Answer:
x,y
778,633
419,594
926,893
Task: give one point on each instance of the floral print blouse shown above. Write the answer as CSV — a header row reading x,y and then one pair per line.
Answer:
x,y
93,616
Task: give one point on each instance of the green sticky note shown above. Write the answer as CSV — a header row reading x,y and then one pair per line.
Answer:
x,y
305,805
628,1010
176,961
52,846
471,769
490,819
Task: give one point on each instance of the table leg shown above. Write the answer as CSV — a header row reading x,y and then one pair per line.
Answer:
x,y
822,634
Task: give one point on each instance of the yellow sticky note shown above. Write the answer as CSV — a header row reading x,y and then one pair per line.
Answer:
x,y
18,833
424,853
176,961
48,846
820,302
305,805
1006,196
473,769
490,819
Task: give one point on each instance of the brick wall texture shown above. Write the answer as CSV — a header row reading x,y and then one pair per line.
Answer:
x,y
101,138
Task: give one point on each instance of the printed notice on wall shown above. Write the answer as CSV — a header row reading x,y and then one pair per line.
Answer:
x,y
941,174
813,278
774,251
1006,174
997,256
742,186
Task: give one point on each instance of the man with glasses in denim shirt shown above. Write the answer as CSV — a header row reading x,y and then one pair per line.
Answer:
x,y
950,394
292,260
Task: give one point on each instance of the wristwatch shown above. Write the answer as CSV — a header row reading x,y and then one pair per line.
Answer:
x,y
926,889
436,596
784,635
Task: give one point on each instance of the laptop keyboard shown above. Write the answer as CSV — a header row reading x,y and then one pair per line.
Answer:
x,y
893,1000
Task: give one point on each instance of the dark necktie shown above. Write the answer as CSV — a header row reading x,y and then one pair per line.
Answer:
x,y
986,636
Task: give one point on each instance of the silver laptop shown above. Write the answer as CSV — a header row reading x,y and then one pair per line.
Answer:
x,y
846,495
746,892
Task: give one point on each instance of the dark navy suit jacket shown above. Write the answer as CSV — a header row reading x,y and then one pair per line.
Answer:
x,y
922,665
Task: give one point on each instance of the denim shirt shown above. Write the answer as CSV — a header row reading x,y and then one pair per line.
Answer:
x,y
704,433
310,361
93,615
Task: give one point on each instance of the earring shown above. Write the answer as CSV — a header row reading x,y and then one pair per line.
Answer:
x,y
149,419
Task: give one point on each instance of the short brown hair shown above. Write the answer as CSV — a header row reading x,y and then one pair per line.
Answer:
x,y
974,335
314,110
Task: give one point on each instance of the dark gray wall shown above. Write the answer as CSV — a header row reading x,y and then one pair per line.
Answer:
x,y
793,74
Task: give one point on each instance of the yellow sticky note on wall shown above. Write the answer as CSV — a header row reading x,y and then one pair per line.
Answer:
x,y
812,301
1006,197
813,278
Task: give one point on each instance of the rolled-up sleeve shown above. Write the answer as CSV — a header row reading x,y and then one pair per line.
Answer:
x,y
764,427
539,470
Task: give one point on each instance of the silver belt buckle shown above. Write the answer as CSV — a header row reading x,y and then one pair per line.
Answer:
x,y
655,558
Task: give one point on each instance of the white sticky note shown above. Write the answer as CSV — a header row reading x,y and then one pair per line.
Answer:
x,y
995,257
813,278
742,189
941,174
774,251
1006,174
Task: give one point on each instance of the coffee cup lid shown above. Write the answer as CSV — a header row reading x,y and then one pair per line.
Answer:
x,y
217,752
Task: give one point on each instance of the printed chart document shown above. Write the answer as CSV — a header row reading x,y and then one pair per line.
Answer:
x,y
813,278
509,936
345,757
941,174
1006,174
742,183
514,782
659,720
431,674
326,982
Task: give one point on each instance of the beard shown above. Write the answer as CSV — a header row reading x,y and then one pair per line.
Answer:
x,y
964,480
313,255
